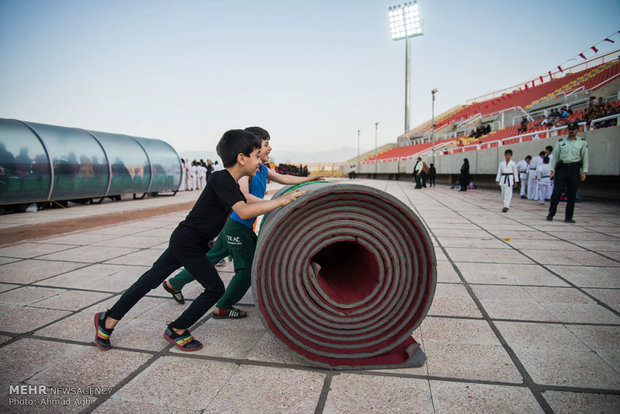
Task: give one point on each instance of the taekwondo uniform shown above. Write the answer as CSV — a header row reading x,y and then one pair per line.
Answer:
x,y
544,182
523,166
507,176
532,182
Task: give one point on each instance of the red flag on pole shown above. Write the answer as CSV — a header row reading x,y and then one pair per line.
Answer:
x,y
609,40
533,84
550,77
582,55
595,49
526,86
541,79
560,68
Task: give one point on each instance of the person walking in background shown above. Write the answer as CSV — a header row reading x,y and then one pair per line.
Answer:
x,y
464,176
432,173
522,167
507,178
569,167
417,173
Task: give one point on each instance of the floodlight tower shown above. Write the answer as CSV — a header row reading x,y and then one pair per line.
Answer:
x,y
405,23
433,92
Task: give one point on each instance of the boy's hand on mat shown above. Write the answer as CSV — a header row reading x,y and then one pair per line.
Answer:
x,y
291,196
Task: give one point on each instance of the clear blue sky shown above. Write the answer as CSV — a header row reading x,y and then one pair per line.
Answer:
x,y
311,72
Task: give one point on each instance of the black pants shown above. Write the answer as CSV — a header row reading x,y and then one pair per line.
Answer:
x,y
199,266
431,181
418,182
567,177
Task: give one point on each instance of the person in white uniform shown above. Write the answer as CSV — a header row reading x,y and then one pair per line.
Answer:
x,y
523,167
532,181
507,178
543,173
548,153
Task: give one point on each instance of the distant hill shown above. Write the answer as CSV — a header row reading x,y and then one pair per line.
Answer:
x,y
289,157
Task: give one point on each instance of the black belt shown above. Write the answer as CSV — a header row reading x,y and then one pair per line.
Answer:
x,y
545,176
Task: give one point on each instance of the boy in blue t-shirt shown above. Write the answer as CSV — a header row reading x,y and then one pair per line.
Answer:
x,y
240,154
238,239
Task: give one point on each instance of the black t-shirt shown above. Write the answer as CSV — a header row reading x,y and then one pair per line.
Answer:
x,y
208,215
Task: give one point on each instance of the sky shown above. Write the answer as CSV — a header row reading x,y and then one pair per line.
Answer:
x,y
312,73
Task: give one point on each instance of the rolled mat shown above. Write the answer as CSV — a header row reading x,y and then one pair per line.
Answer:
x,y
344,275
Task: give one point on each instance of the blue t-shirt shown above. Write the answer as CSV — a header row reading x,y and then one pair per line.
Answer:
x,y
258,188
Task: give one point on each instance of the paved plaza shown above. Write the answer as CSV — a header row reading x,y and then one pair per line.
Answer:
x,y
525,319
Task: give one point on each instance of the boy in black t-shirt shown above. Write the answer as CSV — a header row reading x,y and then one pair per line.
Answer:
x,y
239,151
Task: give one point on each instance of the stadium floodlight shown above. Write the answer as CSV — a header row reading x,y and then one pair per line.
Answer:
x,y
405,23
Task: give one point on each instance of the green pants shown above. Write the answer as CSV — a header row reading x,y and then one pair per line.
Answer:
x,y
239,242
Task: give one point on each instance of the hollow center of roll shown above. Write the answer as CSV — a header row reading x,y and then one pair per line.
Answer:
x,y
349,271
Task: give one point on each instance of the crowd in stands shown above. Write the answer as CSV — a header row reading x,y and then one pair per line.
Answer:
x,y
480,131
290,169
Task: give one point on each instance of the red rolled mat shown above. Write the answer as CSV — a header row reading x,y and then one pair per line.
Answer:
x,y
344,275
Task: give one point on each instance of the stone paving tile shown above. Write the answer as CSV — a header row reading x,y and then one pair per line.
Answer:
x,y
572,369
600,245
5,286
106,277
139,242
26,319
603,277
70,300
470,361
353,393
543,245
40,355
541,336
144,257
89,254
446,273
597,337
28,295
454,397
453,300
201,381
487,256
254,389
577,258
116,406
30,250
79,239
518,310
5,260
494,273
581,313
228,338
569,402
28,271
458,331
479,243
270,349
4,338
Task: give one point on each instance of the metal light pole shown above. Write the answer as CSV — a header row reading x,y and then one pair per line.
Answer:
x,y
405,23
357,169
376,159
433,92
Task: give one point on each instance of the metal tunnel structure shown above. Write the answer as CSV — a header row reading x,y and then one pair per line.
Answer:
x,y
40,163
344,275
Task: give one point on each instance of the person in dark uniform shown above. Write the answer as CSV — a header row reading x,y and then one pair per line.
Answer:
x,y
570,165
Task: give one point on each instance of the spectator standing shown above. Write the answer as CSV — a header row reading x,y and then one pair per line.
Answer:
x,y
569,167
464,176
417,173
432,173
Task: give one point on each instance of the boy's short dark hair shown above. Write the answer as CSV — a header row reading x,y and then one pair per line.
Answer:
x,y
235,142
549,148
508,151
546,160
259,132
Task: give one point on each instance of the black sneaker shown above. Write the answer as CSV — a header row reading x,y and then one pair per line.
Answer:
x,y
178,296
102,335
185,342
549,218
569,221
